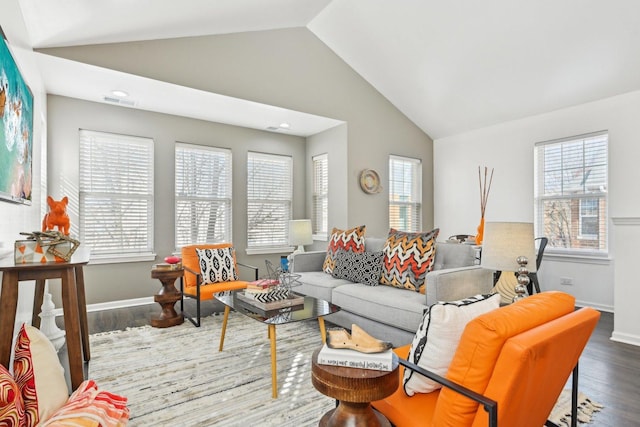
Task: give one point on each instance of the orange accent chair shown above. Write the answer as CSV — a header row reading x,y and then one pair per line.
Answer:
x,y
191,285
511,364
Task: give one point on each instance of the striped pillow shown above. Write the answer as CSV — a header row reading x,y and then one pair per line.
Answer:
x,y
11,403
408,257
351,240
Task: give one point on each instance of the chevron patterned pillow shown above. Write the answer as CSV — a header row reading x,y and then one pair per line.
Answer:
x,y
408,257
351,240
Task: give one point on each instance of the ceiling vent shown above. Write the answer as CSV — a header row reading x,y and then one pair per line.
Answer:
x,y
273,128
119,101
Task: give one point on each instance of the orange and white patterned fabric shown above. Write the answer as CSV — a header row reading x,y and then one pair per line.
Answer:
x,y
407,259
11,404
351,240
88,407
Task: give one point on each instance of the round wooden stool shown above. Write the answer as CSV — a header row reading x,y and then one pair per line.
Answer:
x,y
355,389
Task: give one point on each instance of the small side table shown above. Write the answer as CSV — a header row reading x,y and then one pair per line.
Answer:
x,y
167,298
355,389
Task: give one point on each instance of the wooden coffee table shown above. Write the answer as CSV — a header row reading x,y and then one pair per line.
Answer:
x,y
355,389
313,308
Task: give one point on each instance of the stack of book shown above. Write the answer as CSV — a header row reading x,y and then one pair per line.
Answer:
x,y
165,266
344,357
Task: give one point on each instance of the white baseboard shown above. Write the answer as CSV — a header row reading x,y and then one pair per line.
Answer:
x,y
599,307
625,338
111,305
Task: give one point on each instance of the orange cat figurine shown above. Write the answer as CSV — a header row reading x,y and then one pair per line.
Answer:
x,y
57,216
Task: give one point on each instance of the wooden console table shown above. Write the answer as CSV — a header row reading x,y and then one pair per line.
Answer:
x,y
73,305
355,389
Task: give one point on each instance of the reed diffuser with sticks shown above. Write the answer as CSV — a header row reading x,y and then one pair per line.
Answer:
x,y
484,196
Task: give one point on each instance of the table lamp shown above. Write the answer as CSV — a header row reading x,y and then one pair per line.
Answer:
x,y
300,234
508,246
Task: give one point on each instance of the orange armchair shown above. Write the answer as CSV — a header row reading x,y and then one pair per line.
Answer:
x,y
192,286
511,364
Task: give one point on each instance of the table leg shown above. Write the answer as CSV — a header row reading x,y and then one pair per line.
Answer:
x,y
82,309
71,325
9,298
274,373
227,309
38,297
323,330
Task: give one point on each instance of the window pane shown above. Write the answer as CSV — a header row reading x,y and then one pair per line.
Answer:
x,y
269,194
405,193
566,172
116,193
203,194
320,215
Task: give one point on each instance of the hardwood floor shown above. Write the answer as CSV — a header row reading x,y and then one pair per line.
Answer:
x,y
609,371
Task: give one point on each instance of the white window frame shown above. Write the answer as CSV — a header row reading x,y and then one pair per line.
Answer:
x,y
405,193
320,197
555,184
203,194
116,189
269,201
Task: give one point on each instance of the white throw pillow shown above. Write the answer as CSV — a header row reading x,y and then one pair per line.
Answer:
x,y
217,265
437,338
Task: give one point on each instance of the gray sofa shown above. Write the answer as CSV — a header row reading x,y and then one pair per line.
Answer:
x,y
389,313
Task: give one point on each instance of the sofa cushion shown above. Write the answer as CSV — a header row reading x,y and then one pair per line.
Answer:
x,y
11,403
384,304
350,240
438,336
408,257
482,342
318,284
361,267
217,265
39,375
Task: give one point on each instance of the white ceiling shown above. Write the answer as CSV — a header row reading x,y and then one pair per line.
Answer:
x,y
450,66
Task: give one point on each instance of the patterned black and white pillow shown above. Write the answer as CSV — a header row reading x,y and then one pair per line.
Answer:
x,y
362,267
437,338
217,265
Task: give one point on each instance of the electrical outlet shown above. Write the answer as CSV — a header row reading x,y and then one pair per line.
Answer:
x,y
566,281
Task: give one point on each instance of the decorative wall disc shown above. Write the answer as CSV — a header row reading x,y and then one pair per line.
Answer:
x,y
370,181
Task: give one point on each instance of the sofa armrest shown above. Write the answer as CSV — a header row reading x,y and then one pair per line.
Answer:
x,y
307,261
452,284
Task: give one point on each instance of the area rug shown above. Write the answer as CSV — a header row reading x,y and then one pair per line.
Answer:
x,y
176,376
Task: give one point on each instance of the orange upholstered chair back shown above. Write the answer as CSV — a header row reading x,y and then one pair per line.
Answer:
x,y
190,260
533,368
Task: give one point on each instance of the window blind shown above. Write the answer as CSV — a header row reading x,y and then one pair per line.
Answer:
x,y
269,194
570,205
116,193
203,194
405,193
320,208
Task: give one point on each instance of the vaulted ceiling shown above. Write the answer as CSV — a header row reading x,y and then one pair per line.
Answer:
x,y
449,66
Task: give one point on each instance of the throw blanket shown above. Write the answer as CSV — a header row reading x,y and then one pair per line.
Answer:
x,y
88,407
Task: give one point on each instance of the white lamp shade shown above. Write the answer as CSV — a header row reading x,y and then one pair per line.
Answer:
x,y
503,242
300,232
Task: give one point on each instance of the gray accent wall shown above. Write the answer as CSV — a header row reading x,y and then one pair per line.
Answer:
x,y
288,68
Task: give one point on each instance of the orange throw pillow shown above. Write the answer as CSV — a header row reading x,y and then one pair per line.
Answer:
x,y
351,240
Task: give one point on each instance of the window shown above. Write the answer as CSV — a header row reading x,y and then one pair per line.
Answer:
x,y
405,193
269,194
203,194
571,193
320,213
116,194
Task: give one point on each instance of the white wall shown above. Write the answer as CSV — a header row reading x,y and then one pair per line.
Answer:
x,y
16,218
508,148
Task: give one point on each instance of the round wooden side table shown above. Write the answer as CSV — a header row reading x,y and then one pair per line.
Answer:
x,y
355,389
167,298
